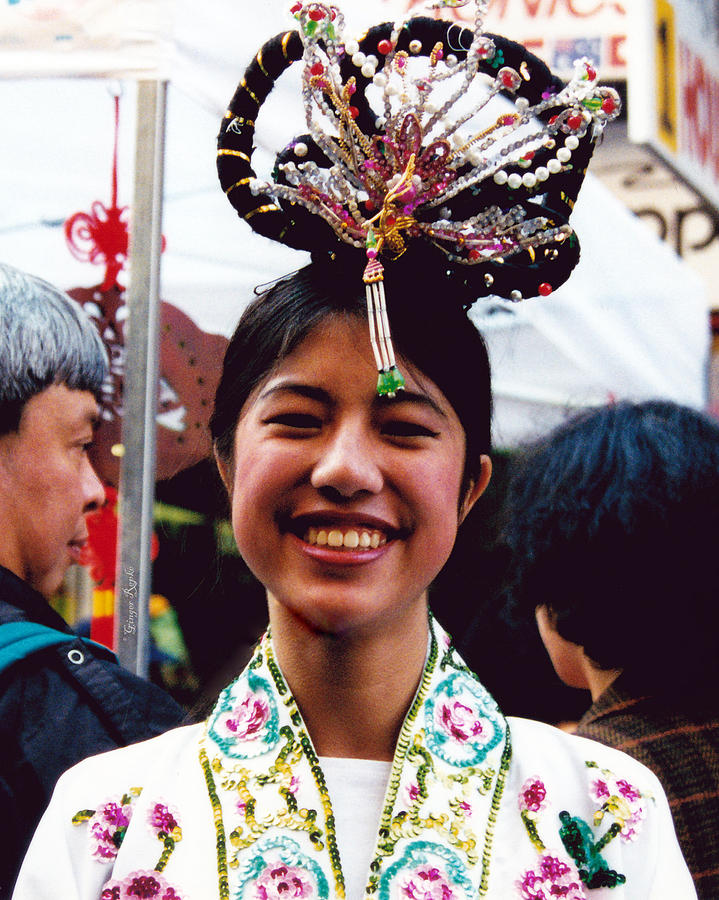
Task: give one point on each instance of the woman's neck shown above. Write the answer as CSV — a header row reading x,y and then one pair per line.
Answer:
x,y
353,690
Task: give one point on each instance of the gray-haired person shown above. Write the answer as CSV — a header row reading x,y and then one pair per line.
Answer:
x,y
61,699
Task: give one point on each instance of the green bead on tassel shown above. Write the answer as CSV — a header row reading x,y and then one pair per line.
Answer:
x,y
389,382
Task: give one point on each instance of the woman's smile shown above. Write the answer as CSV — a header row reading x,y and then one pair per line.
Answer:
x,y
346,545
355,536
349,538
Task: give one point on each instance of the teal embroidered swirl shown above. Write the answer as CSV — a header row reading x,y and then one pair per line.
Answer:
x,y
462,722
245,723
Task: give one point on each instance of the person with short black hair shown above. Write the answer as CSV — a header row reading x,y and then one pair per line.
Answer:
x,y
613,523
67,698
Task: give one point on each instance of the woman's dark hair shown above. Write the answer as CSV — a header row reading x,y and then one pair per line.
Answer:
x,y
613,525
429,331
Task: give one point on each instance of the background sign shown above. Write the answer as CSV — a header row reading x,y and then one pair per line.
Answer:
x,y
666,68
676,108
559,31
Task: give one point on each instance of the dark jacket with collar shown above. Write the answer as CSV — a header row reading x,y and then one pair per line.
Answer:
x,y
56,708
676,734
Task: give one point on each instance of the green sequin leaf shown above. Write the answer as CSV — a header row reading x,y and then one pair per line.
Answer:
x,y
578,840
82,816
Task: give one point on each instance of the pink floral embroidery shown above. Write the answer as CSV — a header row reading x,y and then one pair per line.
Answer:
x,y
248,717
461,808
281,882
599,790
622,800
631,825
553,878
427,884
533,795
630,822
107,828
459,721
164,822
627,791
411,793
140,886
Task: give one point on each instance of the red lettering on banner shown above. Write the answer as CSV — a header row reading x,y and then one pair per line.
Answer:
x,y
700,93
499,7
616,50
583,14
534,9
579,9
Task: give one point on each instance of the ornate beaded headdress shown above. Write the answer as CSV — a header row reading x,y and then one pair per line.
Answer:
x,y
406,143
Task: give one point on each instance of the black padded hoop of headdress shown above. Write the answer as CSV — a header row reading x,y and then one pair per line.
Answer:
x,y
235,142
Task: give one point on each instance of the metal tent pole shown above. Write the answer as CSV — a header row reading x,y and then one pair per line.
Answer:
x,y
137,469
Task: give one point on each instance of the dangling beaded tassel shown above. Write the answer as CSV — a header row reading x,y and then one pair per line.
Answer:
x,y
390,379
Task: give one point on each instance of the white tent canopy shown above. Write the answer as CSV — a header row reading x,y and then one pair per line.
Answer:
x,y
631,323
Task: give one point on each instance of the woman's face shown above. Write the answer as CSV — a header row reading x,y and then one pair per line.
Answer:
x,y
344,504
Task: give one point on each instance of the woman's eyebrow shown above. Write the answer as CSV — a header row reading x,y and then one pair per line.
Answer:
x,y
301,389
413,397
297,388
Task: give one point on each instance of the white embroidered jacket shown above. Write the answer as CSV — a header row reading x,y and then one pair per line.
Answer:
x,y
476,806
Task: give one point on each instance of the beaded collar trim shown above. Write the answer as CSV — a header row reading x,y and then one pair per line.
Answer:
x,y
406,142
273,813
274,832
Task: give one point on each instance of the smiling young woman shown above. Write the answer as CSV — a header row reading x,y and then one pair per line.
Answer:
x,y
346,504
356,752
357,755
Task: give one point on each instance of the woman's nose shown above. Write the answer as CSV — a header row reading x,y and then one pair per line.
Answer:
x,y
348,464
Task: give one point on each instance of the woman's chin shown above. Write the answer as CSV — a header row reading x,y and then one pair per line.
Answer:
x,y
342,612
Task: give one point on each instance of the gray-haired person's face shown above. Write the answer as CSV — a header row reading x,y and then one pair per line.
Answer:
x,y
47,486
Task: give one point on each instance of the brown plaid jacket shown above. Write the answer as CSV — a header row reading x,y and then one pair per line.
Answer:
x,y
677,736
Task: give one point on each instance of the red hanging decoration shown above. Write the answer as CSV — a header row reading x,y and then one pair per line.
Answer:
x,y
101,236
190,359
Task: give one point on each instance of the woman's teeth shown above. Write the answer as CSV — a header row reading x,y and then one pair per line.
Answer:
x,y
349,538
